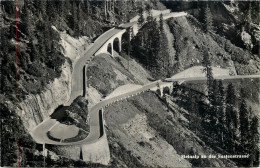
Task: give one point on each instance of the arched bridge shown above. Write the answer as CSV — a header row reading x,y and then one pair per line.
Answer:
x,y
108,42
114,43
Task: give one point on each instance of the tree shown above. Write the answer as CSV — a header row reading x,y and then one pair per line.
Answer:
x,y
149,17
163,49
244,123
51,11
215,93
221,114
231,117
248,17
213,109
34,52
254,140
192,107
208,21
140,23
67,7
42,7
208,70
80,18
130,48
28,21
175,87
141,19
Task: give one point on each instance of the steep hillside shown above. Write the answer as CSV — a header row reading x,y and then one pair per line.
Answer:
x,y
217,28
150,133
190,43
106,74
231,19
210,118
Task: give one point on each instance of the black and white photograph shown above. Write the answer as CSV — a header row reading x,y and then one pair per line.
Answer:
x,y
129,83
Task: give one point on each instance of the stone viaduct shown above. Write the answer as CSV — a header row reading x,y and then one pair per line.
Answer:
x,y
113,43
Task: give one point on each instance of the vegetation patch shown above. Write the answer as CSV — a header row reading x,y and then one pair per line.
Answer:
x,y
75,114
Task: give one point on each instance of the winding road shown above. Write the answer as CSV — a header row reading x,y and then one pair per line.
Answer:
x,y
96,123
40,132
78,77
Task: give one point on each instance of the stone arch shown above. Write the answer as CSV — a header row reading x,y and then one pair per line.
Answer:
x,y
117,45
110,49
166,90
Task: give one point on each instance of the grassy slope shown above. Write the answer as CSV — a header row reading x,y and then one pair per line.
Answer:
x,y
106,74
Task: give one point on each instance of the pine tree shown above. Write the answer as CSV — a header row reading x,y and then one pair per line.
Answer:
x,y
149,14
50,10
215,94
129,51
34,53
248,17
254,140
208,21
193,113
5,85
213,112
221,93
42,7
207,68
61,11
47,37
221,115
175,87
140,23
75,24
244,123
28,21
231,118
67,7
154,50
141,19
80,18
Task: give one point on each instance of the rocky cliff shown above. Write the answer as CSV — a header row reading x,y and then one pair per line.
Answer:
x,y
37,107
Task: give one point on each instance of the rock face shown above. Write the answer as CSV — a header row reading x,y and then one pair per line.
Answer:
x,y
129,131
35,108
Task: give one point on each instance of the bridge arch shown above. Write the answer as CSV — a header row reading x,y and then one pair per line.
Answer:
x,y
125,40
110,49
166,90
117,44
